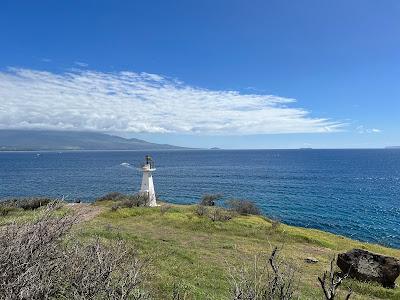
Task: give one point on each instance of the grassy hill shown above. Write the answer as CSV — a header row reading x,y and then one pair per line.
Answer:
x,y
196,253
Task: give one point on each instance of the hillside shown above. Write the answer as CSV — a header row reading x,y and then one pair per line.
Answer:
x,y
196,253
72,140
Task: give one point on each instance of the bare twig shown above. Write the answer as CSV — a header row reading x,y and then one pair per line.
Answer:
x,y
330,286
270,280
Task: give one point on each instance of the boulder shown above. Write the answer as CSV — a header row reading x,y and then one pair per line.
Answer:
x,y
367,266
311,260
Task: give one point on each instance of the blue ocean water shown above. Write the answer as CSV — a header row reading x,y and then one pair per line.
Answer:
x,y
355,193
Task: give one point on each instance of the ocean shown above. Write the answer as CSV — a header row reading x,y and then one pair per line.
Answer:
x,y
355,193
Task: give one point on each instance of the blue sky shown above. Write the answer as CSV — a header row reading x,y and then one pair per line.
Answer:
x,y
210,73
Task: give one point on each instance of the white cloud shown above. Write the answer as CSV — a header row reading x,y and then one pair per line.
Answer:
x,y
361,129
142,102
81,64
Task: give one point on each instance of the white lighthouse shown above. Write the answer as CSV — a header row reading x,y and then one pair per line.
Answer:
x,y
147,188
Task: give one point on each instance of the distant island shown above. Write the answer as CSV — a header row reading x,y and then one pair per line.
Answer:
x,y
392,147
42,140
215,148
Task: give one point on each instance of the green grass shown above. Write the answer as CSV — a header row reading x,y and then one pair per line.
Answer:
x,y
195,252
19,215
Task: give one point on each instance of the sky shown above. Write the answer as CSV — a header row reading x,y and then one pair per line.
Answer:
x,y
228,74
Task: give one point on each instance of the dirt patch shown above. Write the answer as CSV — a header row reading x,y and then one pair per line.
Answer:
x,y
85,211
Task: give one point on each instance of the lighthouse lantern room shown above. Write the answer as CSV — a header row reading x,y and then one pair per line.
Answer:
x,y
147,188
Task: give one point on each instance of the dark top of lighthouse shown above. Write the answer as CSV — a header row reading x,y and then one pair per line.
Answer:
x,y
149,162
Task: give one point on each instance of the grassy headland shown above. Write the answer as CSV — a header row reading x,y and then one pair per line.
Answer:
x,y
195,252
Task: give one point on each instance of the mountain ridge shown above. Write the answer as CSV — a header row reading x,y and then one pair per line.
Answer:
x,y
41,140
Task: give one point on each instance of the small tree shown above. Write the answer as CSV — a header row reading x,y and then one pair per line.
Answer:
x,y
210,199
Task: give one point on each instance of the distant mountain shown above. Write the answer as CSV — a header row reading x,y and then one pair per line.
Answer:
x,y
72,140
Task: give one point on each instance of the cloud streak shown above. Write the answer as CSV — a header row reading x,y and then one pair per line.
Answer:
x,y
142,102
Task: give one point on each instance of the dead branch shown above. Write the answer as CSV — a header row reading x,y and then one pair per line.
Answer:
x,y
330,286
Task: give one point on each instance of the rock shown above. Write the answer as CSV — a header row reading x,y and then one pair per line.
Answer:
x,y
367,266
311,260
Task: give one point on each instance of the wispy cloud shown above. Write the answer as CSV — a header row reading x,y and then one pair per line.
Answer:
x,y
142,102
81,64
361,129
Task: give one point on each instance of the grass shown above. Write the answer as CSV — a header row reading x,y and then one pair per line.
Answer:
x,y
195,252
20,215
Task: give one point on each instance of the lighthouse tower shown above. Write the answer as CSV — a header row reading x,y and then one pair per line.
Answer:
x,y
147,188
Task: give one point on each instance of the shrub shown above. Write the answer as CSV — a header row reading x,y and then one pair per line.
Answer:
x,y
139,199
113,196
210,199
265,278
243,207
33,203
35,264
4,210
201,210
219,214
28,254
114,207
97,271
134,201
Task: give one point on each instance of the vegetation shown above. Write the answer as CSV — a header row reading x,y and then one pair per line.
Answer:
x,y
210,199
190,250
243,207
188,255
30,203
330,283
122,200
113,196
268,278
35,264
